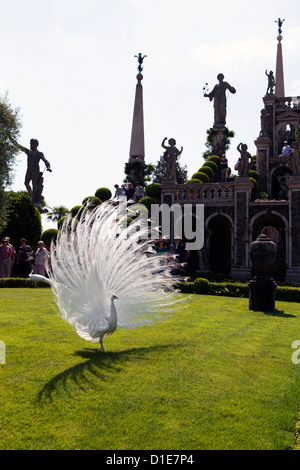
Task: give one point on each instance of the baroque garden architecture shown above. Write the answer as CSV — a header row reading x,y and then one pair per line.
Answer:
x,y
237,210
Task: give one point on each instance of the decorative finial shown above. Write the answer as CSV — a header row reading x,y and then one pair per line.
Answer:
x,y
140,61
279,22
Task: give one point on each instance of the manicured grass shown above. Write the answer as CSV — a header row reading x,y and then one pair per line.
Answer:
x,y
213,376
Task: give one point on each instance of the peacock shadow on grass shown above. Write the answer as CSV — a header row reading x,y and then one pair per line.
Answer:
x,y
102,366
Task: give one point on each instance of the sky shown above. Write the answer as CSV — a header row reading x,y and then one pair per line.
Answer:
x,y
69,66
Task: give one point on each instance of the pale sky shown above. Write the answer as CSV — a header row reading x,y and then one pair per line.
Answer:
x,y
69,66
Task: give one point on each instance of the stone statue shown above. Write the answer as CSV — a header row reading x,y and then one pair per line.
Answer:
x,y
171,154
271,83
33,173
280,23
218,94
294,158
263,123
246,160
140,61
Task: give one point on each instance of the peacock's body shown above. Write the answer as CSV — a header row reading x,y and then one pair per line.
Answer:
x,y
96,261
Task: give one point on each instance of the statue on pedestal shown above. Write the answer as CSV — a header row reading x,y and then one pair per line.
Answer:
x,y
171,154
245,160
218,94
271,83
33,173
294,158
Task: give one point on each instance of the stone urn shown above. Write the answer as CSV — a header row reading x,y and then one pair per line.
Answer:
x,y
262,287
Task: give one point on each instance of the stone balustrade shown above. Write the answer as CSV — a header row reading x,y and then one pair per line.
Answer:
x,y
214,192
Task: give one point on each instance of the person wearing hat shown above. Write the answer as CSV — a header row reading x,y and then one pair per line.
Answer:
x,y
6,254
24,258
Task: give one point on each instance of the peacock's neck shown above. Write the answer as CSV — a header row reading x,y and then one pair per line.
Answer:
x,y
113,319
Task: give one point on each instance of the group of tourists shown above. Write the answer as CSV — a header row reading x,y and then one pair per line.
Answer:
x,y
131,193
24,261
174,254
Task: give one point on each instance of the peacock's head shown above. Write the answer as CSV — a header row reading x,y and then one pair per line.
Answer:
x,y
114,297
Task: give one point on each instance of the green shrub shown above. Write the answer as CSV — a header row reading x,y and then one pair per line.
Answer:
x,y
91,202
211,164
147,201
74,211
153,190
201,286
103,194
204,169
14,282
288,294
254,189
137,209
201,176
193,181
253,174
49,235
214,158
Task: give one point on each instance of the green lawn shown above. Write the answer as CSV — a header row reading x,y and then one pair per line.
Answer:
x,y
213,376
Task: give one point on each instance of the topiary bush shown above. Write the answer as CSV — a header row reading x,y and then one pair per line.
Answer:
x,y
153,190
193,181
91,202
103,194
201,286
211,164
253,174
147,201
49,235
207,170
201,176
214,158
74,211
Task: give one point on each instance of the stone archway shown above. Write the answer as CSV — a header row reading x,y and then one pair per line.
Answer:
x,y
219,229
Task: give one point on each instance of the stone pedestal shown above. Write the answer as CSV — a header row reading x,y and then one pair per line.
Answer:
x,y
262,291
219,138
262,288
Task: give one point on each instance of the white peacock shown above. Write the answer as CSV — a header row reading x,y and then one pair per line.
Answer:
x,y
103,276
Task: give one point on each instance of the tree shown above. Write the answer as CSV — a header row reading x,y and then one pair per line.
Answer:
x,y
24,219
9,127
209,142
56,213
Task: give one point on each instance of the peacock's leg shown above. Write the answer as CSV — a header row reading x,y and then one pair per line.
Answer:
x,y
101,346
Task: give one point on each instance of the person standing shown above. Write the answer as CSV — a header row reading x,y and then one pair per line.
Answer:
x,y
224,168
40,259
6,254
24,258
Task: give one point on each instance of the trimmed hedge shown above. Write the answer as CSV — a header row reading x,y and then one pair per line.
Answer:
x,y
21,282
200,286
234,289
193,181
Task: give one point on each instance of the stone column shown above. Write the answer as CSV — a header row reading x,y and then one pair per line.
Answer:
x,y
168,196
293,271
219,141
242,189
263,146
262,288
